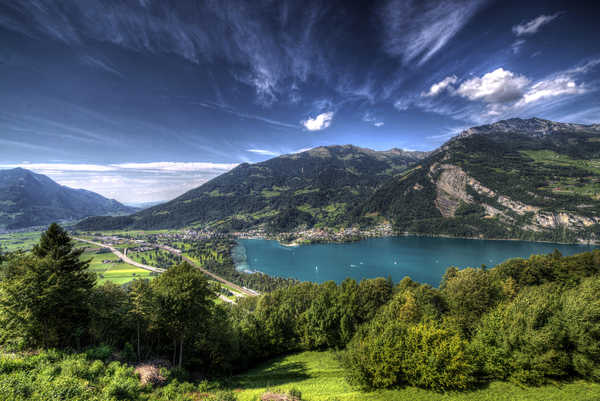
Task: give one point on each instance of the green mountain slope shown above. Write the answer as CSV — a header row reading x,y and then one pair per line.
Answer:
x,y
316,187
529,179
28,199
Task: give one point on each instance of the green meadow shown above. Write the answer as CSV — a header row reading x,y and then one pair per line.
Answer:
x,y
116,271
11,242
319,377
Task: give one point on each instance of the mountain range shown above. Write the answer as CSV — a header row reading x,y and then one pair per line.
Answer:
x,y
527,179
28,199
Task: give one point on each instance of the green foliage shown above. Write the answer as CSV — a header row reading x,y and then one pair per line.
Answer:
x,y
274,192
62,376
469,293
182,302
525,339
581,319
405,344
44,297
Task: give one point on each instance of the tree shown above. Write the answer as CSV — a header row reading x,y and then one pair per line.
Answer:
x,y
182,302
44,296
140,295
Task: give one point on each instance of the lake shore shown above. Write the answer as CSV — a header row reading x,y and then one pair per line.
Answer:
x,y
308,237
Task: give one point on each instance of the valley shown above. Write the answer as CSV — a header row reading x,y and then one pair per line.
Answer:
x,y
391,200
533,180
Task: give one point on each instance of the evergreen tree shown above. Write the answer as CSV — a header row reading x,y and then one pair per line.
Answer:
x,y
44,296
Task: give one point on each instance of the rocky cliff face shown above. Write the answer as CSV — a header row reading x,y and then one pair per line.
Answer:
x,y
453,185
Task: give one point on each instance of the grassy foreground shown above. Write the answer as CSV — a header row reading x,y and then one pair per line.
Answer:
x,y
320,378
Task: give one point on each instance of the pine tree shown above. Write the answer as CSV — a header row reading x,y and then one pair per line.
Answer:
x,y
44,296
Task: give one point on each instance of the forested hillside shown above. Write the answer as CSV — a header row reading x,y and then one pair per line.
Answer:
x,y
28,199
530,321
529,179
316,187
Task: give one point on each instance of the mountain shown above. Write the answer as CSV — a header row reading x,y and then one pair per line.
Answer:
x,y
316,187
528,179
28,199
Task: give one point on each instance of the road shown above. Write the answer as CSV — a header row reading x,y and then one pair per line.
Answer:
x,y
123,257
126,259
241,290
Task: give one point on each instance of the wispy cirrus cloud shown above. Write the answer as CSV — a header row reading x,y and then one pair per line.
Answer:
x,y
369,118
533,26
230,110
263,152
416,31
269,49
530,28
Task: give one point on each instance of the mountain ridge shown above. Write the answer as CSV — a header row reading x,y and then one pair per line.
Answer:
x,y
517,178
28,199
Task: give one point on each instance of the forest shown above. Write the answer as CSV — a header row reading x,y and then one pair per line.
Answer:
x,y
527,321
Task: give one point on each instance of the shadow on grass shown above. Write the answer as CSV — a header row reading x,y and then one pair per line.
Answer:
x,y
277,373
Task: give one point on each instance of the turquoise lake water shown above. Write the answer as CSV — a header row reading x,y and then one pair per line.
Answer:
x,y
421,258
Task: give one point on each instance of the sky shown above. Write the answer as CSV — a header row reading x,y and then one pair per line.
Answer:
x,y
142,100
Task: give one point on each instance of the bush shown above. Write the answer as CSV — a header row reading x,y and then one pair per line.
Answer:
x,y
120,383
425,355
101,352
525,339
581,318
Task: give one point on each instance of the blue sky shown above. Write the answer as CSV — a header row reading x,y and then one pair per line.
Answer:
x,y
143,100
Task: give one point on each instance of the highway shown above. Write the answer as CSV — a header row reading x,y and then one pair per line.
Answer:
x,y
241,290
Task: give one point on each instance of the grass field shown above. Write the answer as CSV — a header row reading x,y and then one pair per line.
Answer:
x,y
590,186
19,241
118,273
156,257
320,378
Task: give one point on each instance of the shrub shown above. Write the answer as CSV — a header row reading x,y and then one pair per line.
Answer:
x,y
394,353
525,339
581,318
102,352
120,382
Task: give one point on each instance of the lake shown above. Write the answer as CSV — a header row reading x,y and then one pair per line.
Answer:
x,y
423,259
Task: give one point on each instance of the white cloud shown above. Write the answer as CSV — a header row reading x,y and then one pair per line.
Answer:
x,y
531,27
302,150
561,85
177,166
318,123
131,182
41,167
414,30
263,152
498,86
379,124
439,87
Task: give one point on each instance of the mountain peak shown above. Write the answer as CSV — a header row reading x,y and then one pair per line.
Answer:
x,y
534,127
